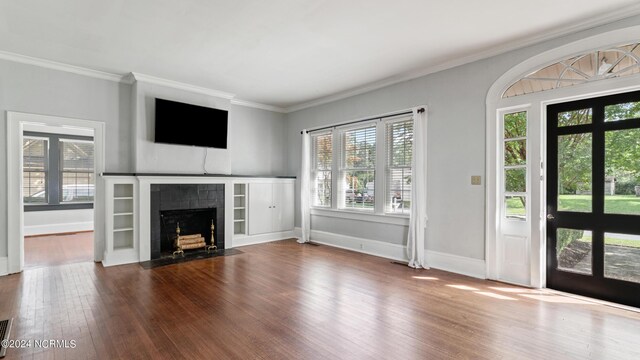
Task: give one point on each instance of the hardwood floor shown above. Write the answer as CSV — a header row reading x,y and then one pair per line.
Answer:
x,y
283,300
58,249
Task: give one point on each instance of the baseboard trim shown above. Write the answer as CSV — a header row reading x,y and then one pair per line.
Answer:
x,y
361,245
262,238
4,266
120,257
438,260
457,264
58,228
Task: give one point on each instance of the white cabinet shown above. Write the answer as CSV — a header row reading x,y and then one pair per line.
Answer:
x,y
271,207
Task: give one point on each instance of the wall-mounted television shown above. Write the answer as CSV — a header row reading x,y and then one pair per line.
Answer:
x,y
186,124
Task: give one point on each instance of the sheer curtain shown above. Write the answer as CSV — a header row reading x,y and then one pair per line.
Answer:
x,y
418,217
305,187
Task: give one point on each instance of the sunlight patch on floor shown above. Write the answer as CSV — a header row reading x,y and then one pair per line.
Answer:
x,y
556,299
463,287
494,295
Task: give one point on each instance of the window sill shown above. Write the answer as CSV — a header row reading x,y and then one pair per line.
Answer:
x,y
51,207
362,216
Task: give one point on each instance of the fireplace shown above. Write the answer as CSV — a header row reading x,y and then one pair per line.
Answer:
x,y
194,226
194,207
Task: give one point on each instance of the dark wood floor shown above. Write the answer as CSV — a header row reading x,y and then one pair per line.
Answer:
x,y
58,249
283,300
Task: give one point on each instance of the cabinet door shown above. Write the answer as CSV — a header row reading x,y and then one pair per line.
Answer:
x,y
283,202
260,208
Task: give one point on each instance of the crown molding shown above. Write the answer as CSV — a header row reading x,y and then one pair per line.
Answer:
x,y
256,105
54,65
181,86
604,19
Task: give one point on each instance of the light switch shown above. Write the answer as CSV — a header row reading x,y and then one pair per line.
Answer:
x,y
476,180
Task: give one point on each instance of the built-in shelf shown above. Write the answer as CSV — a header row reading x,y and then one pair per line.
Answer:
x,y
239,206
121,223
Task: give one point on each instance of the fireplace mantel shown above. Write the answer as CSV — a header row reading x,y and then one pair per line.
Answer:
x,y
140,249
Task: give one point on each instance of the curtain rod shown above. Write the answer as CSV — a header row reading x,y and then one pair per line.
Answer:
x,y
421,110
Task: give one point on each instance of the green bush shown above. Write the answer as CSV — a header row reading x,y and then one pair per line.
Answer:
x,y
566,236
626,188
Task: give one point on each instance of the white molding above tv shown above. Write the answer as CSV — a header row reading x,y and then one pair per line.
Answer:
x,y
181,86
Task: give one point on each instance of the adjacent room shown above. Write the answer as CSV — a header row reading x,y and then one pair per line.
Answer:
x,y
320,180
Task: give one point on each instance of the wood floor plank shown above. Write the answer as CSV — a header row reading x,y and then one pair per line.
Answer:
x,y
283,300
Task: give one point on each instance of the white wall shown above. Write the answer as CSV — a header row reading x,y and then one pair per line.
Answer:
x,y
456,145
57,221
32,89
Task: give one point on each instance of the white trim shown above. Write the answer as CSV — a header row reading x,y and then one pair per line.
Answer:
x,y
120,257
15,212
4,268
457,264
592,22
181,86
365,246
362,216
58,228
256,105
538,102
447,262
262,238
54,65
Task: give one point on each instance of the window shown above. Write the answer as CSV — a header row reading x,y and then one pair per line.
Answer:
x,y
58,171
364,167
76,170
34,177
515,165
321,169
399,141
597,65
358,168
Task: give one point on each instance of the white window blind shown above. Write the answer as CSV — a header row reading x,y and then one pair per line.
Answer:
x,y
399,141
322,159
76,167
358,167
34,159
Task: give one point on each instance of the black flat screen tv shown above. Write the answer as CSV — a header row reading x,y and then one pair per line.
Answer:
x,y
186,124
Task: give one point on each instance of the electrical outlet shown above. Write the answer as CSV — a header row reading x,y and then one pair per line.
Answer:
x,y
476,180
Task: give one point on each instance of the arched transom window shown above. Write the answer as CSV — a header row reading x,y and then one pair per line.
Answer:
x,y
597,65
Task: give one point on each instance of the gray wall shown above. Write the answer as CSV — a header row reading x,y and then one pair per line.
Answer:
x,y
258,141
32,89
456,145
256,137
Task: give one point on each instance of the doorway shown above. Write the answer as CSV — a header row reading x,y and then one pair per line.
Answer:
x,y
593,197
17,123
58,188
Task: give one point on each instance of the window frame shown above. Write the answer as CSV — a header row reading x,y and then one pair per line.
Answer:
x,y
379,213
53,177
343,169
315,170
387,166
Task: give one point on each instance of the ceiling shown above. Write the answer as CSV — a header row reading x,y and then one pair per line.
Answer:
x,y
286,52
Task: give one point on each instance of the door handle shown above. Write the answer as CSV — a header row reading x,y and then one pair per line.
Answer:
x,y
550,217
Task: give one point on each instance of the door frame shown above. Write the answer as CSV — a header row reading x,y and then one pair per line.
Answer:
x,y
538,103
15,205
